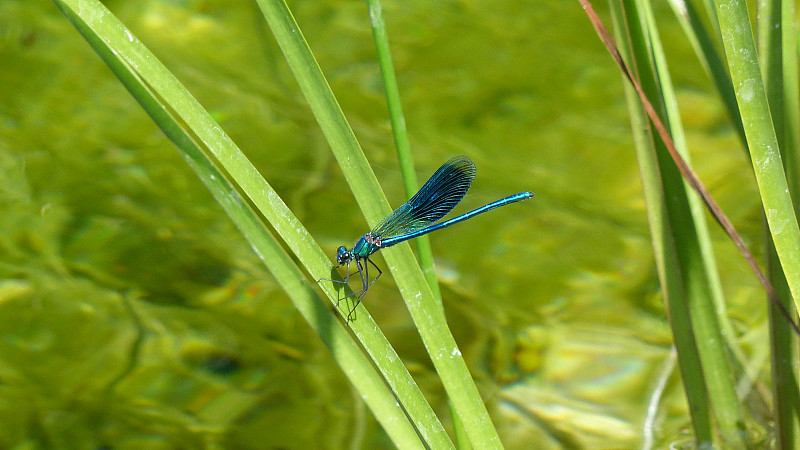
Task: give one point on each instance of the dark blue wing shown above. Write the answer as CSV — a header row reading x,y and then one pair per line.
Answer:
x,y
437,197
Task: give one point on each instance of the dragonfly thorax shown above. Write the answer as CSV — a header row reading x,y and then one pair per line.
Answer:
x,y
366,245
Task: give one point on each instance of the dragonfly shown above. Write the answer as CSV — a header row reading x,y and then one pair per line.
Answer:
x,y
418,216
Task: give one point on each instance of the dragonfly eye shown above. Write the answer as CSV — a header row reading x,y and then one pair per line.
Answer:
x,y
342,255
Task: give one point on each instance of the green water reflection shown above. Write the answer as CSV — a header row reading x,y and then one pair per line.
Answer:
x,y
133,314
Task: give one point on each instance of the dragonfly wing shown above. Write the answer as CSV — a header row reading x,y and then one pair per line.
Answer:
x,y
437,197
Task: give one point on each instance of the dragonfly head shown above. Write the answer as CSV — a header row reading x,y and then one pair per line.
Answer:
x,y
343,256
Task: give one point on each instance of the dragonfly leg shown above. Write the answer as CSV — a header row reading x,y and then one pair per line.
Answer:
x,y
346,280
365,282
380,272
363,273
362,269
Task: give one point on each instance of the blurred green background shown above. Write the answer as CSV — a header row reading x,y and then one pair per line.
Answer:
x,y
133,314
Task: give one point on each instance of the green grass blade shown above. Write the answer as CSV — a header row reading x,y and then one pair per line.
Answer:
x,y
737,37
197,136
790,143
778,52
683,248
712,62
400,135
400,132
699,272
784,362
424,309
664,251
